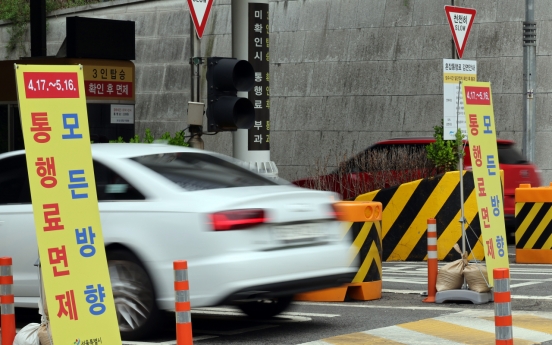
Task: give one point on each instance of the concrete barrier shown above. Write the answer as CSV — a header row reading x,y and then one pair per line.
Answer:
x,y
533,224
407,207
362,221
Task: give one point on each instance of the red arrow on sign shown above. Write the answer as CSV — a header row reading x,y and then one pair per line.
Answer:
x,y
460,21
199,10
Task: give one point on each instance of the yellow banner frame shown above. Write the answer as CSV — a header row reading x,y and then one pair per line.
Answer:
x,y
59,162
480,125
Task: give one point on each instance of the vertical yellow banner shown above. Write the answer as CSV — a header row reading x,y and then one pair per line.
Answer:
x,y
59,163
478,109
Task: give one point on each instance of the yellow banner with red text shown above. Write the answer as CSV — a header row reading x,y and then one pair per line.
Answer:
x,y
59,162
480,124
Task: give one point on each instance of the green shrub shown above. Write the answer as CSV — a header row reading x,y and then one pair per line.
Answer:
x,y
444,153
177,139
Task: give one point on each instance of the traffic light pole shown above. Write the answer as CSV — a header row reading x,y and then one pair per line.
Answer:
x,y
195,91
241,43
529,80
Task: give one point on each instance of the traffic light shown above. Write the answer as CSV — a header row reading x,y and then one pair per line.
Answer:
x,y
225,110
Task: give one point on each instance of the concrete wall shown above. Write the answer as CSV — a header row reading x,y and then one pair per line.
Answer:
x,y
345,73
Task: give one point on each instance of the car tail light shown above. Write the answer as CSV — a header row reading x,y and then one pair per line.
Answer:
x,y
237,219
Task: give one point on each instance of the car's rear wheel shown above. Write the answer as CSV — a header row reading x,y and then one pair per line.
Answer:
x,y
266,308
134,295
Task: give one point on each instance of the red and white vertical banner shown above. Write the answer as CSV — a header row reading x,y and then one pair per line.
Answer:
x,y
478,109
70,243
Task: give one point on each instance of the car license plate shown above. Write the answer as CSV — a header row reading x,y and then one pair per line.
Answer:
x,y
298,232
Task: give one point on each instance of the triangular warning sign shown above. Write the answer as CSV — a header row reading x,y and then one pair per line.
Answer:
x,y
199,10
460,20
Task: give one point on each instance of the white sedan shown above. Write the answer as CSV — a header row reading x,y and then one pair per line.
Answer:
x,y
247,239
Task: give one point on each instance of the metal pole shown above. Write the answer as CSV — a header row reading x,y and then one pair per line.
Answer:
x,y
529,78
192,75
38,28
461,174
454,55
196,130
195,51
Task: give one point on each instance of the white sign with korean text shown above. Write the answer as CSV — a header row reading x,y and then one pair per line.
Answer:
x,y
460,20
455,71
122,113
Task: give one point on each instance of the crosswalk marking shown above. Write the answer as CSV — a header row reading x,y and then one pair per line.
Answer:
x,y
455,332
531,322
486,325
474,327
407,336
358,339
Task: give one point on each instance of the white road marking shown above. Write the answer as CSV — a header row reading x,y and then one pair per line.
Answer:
x,y
406,292
525,284
283,317
369,306
170,342
201,337
393,280
412,292
310,314
236,331
531,297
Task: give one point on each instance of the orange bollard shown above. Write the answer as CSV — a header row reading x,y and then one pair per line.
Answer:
x,y
432,261
182,303
7,310
503,307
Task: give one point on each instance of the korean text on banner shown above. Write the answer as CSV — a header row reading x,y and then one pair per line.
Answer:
x,y
70,243
478,106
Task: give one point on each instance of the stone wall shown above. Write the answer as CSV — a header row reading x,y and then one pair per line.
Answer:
x,y
345,73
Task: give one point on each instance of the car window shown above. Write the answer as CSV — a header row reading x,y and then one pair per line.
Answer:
x,y
507,154
197,171
110,186
14,183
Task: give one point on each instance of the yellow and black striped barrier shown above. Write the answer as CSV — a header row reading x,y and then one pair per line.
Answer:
x,y
362,221
407,207
533,224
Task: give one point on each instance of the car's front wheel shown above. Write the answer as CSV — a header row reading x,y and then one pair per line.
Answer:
x,y
133,294
266,308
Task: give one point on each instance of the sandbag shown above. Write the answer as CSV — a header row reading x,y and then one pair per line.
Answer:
x,y
476,277
450,276
28,335
44,334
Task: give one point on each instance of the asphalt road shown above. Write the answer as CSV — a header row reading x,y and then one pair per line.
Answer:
x,y
399,313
